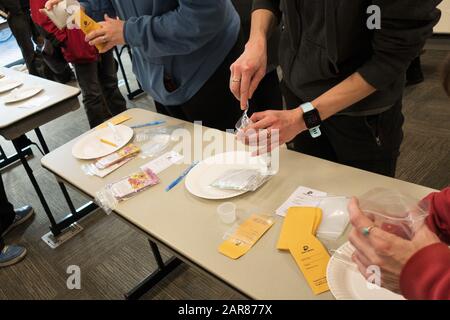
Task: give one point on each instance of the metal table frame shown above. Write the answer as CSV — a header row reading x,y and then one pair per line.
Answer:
x,y
163,268
6,161
33,123
119,51
75,214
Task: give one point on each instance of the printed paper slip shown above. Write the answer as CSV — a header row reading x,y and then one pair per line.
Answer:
x,y
247,234
163,162
302,197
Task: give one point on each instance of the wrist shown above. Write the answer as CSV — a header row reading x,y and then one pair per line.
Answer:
x,y
298,122
317,105
257,41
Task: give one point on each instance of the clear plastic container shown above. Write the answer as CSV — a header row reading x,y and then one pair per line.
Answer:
x,y
227,212
394,212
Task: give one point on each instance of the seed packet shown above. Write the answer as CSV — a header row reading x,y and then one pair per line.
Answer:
x,y
133,184
124,189
118,156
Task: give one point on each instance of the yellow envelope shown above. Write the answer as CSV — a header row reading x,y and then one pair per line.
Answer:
x,y
87,25
247,234
299,222
115,121
312,258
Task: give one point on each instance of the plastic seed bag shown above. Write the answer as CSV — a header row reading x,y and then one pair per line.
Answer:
x,y
243,122
335,216
241,180
112,194
155,146
128,151
147,134
394,212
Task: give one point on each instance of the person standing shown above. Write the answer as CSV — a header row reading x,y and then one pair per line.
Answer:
x,y
268,93
9,219
418,268
22,28
96,73
182,52
343,76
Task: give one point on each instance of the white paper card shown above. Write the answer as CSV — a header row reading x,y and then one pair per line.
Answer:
x,y
302,197
163,162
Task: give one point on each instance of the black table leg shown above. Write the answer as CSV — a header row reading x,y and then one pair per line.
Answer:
x,y
6,161
61,185
163,270
34,183
76,214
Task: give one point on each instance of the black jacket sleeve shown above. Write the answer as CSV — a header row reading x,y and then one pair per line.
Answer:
x,y
272,5
405,26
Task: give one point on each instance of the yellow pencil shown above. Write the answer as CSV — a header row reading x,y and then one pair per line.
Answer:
x,y
108,142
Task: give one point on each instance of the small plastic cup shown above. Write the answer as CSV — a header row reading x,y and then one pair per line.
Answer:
x,y
227,212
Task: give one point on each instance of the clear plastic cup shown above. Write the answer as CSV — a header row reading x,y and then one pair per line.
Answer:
x,y
394,212
227,212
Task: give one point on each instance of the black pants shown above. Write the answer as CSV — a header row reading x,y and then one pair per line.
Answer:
x,y
6,212
370,143
24,31
102,98
268,94
216,106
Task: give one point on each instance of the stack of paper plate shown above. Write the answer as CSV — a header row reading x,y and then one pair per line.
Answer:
x,y
346,283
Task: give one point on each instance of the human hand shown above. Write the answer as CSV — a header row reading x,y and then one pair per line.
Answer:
x,y
248,71
110,35
273,128
382,249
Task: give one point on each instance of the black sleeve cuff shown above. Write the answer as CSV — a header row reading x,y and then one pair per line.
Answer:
x,y
271,5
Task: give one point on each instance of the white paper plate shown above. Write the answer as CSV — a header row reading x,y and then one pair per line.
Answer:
x,y
7,85
21,94
346,283
199,179
90,147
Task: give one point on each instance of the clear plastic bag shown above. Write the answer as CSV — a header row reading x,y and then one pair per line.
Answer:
x,y
147,134
112,194
335,216
126,152
344,255
90,169
241,180
155,146
394,212
243,122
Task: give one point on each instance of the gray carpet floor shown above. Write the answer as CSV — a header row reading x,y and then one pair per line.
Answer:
x,y
114,257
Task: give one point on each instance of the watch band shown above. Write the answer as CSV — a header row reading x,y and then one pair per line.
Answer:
x,y
315,131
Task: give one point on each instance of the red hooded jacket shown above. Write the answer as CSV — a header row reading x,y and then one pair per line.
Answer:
x,y
426,275
72,43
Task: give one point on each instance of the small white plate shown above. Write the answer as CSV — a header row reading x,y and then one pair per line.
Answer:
x,y
7,85
207,171
21,94
346,283
90,147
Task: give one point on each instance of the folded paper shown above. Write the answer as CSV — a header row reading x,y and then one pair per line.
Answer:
x,y
246,235
299,221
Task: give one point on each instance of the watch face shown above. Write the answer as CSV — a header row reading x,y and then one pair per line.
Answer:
x,y
312,119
